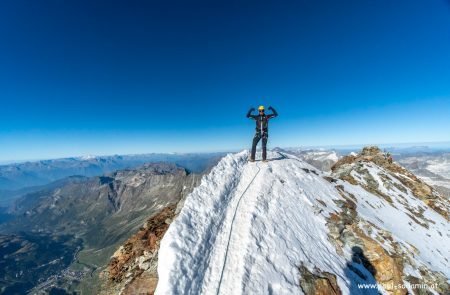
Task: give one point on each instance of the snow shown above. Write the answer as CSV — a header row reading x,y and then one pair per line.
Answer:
x,y
248,227
433,243
317,155
331,155
88,157
276,228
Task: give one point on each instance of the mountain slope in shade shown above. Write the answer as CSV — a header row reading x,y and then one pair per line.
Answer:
x,y
283,227
99,213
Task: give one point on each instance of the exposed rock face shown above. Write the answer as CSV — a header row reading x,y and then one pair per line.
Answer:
x,y
386,268
318,283
345,231
132,269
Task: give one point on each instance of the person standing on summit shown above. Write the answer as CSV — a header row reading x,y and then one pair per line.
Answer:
x,y
262,130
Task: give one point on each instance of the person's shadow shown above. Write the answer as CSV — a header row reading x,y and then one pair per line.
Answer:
x,y
361,274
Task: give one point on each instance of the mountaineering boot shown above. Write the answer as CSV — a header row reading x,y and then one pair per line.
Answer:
x,y
251,160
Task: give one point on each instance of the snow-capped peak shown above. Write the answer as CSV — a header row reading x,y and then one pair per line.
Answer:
x,y
88,157
283,227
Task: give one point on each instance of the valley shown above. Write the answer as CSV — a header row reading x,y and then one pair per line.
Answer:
x,y
75,224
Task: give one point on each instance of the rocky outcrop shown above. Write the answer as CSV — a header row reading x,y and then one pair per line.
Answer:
x,y
132,269
387,268
349,168
345,231
318,283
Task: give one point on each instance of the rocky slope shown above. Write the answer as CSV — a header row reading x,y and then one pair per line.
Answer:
x,y
372,170
401,236
132,268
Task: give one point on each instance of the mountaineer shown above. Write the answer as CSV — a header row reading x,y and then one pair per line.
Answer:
x,y
262,129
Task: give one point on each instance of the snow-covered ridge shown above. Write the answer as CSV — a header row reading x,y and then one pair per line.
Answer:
x,y
250,227
320,158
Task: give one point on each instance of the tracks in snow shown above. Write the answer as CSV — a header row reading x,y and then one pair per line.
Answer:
x,y
231,227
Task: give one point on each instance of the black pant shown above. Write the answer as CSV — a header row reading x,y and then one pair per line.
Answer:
x,y
256,139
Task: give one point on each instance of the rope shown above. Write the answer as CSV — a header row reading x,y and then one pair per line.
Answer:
x,y
231,228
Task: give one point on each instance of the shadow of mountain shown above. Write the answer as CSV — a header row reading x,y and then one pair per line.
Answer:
x,y
361,274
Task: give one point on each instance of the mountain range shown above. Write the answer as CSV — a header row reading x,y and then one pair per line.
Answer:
x,y
306,222
18,179
84,218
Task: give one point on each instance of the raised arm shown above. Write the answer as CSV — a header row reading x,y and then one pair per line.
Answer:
x,y
274,113
249,113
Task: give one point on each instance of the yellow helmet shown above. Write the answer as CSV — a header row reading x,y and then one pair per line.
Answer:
x,y
261,108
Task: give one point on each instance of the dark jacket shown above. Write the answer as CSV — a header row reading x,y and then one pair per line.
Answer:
x,y
262,121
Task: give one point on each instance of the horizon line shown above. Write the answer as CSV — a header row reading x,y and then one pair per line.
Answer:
x,y
431,144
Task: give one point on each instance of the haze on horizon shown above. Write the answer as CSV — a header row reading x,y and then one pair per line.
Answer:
x,y
404,147
102,77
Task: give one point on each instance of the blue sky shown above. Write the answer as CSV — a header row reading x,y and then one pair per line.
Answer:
x,y
107,77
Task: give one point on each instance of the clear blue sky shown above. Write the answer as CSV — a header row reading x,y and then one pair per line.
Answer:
x,y
106,77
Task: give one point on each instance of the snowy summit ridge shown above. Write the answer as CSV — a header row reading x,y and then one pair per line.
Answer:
x,y
284,227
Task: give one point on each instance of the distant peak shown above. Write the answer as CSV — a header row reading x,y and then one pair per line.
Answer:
x,y
88,157
371,151
368,154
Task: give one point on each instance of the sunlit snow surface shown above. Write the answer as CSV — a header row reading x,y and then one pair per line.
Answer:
x,y
248,227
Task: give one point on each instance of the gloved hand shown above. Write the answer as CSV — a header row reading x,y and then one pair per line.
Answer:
x,y
270,108
252,109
